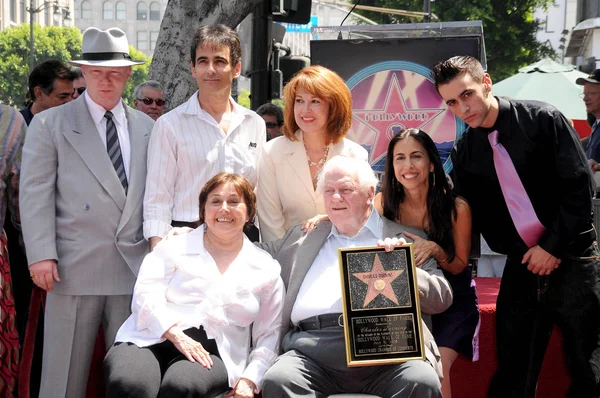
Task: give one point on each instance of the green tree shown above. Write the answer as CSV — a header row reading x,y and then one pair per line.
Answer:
x,y
53,42
508,26
139,74
244,98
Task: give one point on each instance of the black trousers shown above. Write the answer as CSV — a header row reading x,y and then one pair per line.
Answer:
x,y
529,305
161,370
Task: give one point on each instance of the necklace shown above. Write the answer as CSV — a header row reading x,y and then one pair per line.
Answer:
x,y
318,165
321,161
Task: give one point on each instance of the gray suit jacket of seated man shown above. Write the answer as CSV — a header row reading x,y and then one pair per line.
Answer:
x,y
297,250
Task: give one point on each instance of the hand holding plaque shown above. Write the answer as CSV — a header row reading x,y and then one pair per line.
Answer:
x,y
382,316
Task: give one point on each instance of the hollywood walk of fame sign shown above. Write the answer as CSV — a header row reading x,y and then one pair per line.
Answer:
x,y
382,315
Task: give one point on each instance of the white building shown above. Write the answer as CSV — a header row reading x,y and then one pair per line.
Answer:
x,y
15,12
553,25
139,19
583,19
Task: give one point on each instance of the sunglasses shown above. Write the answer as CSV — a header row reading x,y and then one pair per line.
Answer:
x,y
149,101
271,125
80,90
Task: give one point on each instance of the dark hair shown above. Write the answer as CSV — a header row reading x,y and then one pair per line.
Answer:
x,y
217,37
273,110
441,200
242,187
445,71
45,74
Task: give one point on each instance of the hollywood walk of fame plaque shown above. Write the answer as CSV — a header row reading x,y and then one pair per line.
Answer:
x,y
382,315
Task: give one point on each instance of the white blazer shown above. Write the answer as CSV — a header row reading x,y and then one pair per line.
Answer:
x,y
285,193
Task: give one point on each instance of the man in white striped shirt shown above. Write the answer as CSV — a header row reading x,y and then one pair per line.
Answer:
x,y
207,134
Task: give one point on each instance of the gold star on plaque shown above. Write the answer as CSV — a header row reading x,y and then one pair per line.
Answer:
x,y
379,281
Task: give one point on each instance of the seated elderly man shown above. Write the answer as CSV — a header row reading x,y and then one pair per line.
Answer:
x,y
313,363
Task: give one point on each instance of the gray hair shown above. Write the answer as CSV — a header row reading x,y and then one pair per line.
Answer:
x,y
78,72
137,91
358,169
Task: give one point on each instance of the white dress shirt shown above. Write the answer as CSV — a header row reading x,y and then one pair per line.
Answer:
x,y
179,283
321,290
187,148
97,112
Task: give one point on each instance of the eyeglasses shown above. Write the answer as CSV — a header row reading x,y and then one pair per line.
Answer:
x,y
80,90
149,101
271,125
583,95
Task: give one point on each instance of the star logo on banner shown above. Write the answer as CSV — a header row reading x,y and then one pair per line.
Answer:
x,y
393,117
379,281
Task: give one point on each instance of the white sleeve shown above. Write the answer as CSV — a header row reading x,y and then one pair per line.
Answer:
x,y
160,180
149,304
265,332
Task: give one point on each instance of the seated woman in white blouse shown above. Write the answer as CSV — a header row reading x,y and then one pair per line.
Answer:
x,y
206,308
317,117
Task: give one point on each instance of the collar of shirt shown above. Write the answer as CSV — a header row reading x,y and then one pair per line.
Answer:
x,y
193,108
374,225
97,112
502,123
27,115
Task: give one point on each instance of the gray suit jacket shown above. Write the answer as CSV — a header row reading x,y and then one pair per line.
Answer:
x,y
296,252
73,207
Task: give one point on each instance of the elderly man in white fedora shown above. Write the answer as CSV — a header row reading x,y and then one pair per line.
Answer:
x,y
82,184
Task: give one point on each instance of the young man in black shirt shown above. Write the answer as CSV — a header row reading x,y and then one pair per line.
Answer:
x,y
552,276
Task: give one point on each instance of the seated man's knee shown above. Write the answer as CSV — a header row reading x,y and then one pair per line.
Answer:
x,y
420,378
274,380
285,375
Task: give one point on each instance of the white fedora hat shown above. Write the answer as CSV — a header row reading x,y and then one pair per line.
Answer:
x,y
105,48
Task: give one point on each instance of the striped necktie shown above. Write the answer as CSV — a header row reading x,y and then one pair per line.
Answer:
x,y
114,149
517,201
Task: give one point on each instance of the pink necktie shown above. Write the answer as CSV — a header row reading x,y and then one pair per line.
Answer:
x,y
519,206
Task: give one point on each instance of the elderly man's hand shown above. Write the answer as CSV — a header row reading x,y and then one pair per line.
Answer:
x,y
423,248
390,244
594,166
243,389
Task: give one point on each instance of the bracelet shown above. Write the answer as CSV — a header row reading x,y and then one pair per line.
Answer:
x,y
443,261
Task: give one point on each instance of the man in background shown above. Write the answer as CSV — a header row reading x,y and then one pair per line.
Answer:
x,y
79,83
50,85
591,99
273,116
149,98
